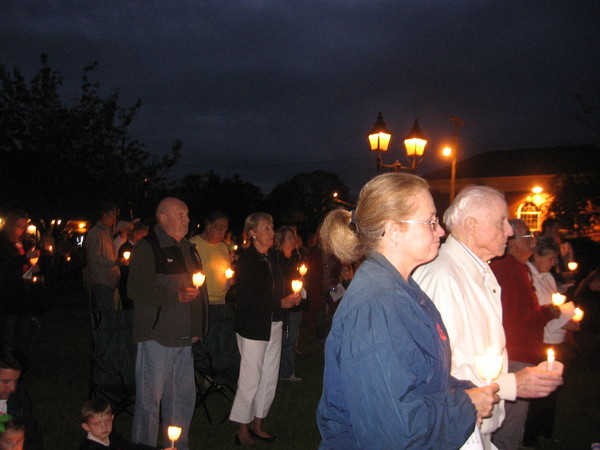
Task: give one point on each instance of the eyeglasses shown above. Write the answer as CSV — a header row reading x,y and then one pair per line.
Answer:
x,y
525,236
434,224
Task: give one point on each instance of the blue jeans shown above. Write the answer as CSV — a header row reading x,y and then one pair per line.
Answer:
x,y
287,368
164,378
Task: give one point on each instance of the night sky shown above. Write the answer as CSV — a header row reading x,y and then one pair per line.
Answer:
x,y
268,89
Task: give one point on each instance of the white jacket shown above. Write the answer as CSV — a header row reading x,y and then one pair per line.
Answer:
x,y
467,294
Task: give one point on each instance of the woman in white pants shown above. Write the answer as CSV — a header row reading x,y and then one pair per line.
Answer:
x,y
261,293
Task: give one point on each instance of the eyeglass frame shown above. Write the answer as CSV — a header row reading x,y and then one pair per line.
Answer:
x,y
434,225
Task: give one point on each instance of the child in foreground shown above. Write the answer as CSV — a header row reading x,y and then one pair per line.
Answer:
x,y
98,418
12,433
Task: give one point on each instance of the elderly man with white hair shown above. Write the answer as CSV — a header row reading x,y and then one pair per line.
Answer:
x,y
467,294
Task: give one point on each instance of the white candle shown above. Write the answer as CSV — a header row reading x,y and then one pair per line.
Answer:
x,y
198,279
550,358
302,269
489,365
229,273
572,265
296,286
174,433
558,299
578,315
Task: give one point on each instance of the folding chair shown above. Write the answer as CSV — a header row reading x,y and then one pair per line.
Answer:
x,y
112,359
217,359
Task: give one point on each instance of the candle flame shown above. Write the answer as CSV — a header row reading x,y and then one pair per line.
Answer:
x,y
296,286
578,315
229,273
302,269
558,299
198,279
126,255
572,265
174,432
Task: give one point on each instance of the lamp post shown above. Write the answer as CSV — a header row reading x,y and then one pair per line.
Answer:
x,y
415,142
454,153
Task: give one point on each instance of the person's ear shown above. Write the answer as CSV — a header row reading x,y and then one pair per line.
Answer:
x,y
85,427
470,225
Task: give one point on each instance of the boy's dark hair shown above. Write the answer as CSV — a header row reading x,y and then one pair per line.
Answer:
x,y
12,423
95,406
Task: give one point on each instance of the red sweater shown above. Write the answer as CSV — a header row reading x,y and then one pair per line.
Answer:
x,y
522,317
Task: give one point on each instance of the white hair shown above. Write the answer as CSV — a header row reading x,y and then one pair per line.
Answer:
x,y
467,201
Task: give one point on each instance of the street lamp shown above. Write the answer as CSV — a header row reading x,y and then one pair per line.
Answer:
x,y
415,142
454,153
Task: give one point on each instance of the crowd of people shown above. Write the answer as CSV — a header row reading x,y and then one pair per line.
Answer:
x,y
407,312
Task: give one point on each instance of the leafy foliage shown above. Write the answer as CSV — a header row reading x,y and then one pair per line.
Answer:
x,y
62,160
577,202
305,199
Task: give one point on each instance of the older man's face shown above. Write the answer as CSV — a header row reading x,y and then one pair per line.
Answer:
x,y
492,229
8,382
522,243
175,219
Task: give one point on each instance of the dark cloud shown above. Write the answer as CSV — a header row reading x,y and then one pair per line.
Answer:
x,y
268,89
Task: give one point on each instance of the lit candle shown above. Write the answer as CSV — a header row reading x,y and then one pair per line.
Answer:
x,y
50,248
572,266
174,433
296,286
489,365
126,255
578,315
235,247
558,299
68,258
34,260
229,273
550,358
198,279
302,269
34,279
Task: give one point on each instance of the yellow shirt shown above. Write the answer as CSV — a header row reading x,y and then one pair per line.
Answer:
x,y
215,260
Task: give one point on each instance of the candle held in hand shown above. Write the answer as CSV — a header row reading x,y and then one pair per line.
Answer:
x,y
296,286
198,279
174,433
489,365
550,359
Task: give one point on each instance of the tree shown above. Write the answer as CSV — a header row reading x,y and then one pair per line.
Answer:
x,y
305,199
59,160
206,193
576,202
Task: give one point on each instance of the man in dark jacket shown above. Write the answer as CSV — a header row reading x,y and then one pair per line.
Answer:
x,y
15,401
170,315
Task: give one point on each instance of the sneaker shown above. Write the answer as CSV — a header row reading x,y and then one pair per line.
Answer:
x,y
292,378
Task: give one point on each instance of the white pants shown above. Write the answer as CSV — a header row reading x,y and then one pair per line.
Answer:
x,y
259,370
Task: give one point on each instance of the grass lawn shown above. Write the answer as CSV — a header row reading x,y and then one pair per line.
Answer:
x,y
58,382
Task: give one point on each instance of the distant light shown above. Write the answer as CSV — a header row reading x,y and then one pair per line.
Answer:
x,y
81,225
447,151
31,229
537,190
335,194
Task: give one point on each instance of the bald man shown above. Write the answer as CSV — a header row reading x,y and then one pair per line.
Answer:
x,y
170,315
